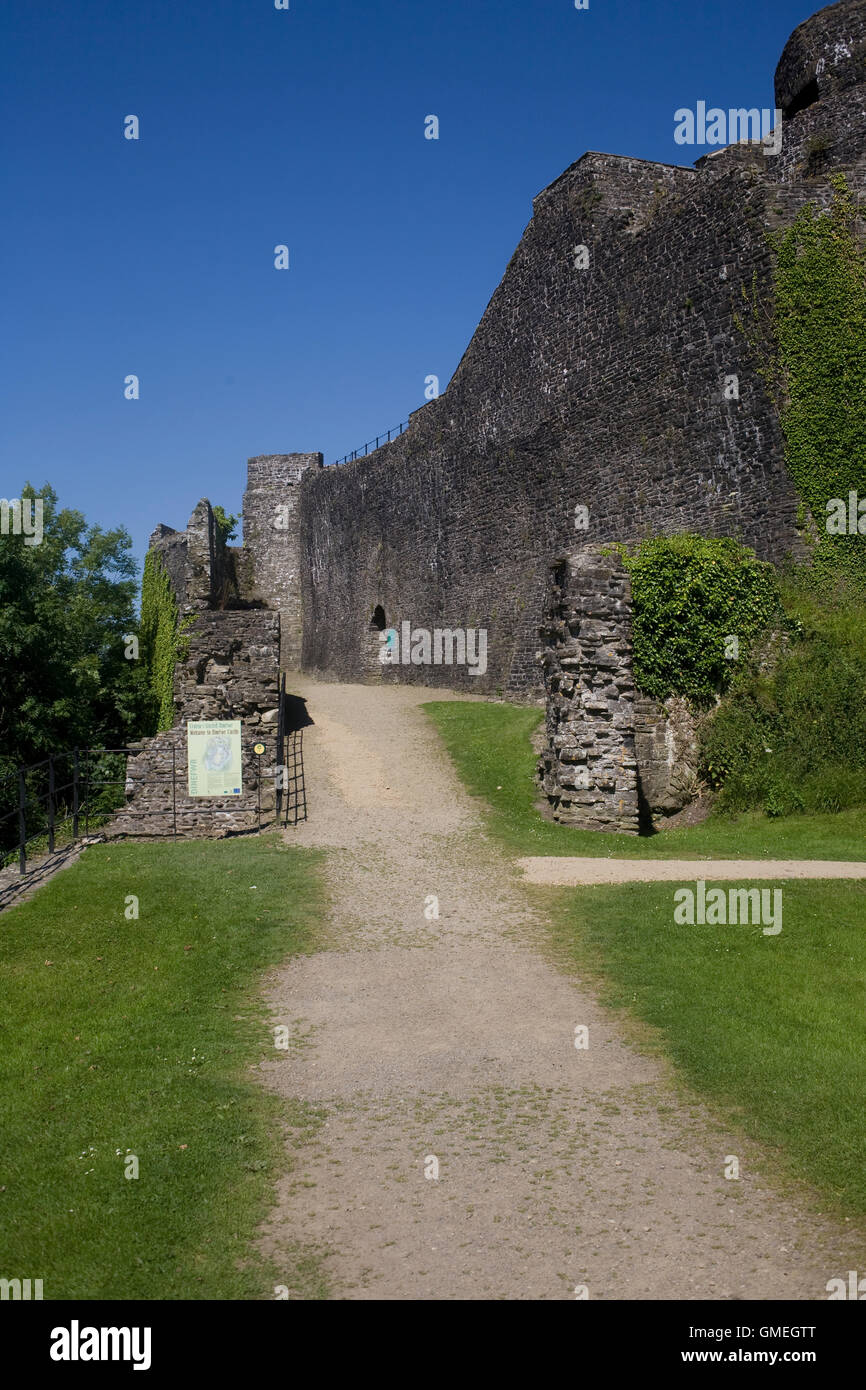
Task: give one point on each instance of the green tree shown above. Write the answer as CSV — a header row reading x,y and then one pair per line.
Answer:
x,y
227,524
66,606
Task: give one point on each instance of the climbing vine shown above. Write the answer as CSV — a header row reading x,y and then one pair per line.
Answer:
x,y
164,638
811,348
698,605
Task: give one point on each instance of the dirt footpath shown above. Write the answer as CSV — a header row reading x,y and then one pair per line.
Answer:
x,y
446,1045
552,870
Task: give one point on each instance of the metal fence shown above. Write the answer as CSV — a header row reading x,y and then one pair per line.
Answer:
x,y
67,795
366,448
64,790
291,793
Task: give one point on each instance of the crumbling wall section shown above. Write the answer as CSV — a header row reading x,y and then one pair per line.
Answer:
x,y
588,769
613,758
231,671
272,541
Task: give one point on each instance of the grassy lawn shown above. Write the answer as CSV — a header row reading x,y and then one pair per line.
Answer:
x,y
134,1036
770,1030
490,746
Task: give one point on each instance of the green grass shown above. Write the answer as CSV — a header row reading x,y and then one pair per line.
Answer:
x,y
490,746
770,1029
136,1035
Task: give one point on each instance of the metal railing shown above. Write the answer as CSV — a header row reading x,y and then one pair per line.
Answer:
x,y
48,795
370,446
291,787
70,790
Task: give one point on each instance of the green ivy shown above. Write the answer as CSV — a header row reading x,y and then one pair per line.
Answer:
x,y
811,347
164,639
690,596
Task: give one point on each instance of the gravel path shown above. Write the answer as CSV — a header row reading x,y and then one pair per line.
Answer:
x,y
453,1039
551,870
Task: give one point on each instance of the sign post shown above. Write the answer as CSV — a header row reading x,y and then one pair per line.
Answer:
x,y
214,764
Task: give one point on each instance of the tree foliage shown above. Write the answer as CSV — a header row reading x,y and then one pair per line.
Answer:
x,y
65,607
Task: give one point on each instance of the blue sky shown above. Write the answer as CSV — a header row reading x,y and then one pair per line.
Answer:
x,y
304,127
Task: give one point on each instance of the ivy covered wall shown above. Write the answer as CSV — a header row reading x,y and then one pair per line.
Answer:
x,y
162,639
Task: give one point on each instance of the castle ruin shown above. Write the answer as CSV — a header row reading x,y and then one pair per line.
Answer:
x,y
593,382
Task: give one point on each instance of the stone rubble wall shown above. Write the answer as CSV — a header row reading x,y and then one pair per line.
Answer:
x,y
613,758
588,770
272,541
231,671
666,751
156,792
201,568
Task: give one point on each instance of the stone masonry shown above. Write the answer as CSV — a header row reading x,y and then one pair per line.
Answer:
x,y
231,671
596,385
272,540
600,387
614,759
588,769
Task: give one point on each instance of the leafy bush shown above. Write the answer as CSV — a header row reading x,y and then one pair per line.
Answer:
x,y
690,595
795,739
66,611
226,523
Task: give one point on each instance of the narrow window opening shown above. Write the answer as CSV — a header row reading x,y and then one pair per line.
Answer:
x,y
806,96
377,621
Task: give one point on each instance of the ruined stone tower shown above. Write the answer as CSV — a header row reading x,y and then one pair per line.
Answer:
x,y
272,542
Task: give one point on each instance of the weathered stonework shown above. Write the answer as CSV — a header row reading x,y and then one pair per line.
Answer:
x,y
666,752
272,540
595,390
156,806
613,758
601,387
199,565
588,769
231,671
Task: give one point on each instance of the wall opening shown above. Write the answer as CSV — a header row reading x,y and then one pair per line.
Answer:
x,y
806,96
378,622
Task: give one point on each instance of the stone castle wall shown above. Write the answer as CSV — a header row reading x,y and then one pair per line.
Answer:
x,y
607,394
601,388
272,541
